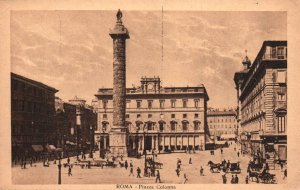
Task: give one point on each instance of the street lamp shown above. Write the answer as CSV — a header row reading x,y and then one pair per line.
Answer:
x,y
91,139
145,152
59,172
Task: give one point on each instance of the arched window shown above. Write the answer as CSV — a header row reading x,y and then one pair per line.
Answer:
x,y
161,125
138,125
197,125
104,126
185,124
173,125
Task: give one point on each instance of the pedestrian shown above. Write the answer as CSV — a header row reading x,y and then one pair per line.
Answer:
x,y
247,179
224,179
281,164
185,178
126,164
69,171
25,165
68,160
121,157
228,164
131,165
201,171
31,162
177,172
221,150
267,166
232,180
190,160
157,177
238,153
138,171
285,174
131,171
236,180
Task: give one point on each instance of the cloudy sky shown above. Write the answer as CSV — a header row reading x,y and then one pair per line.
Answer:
x,y
72,50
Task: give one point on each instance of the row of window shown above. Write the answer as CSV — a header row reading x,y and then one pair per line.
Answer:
x,y
29,89
27,106
221,120
221,126
150,126
173,116
150,103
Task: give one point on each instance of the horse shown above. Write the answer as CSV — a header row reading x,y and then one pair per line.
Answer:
x,y
214,166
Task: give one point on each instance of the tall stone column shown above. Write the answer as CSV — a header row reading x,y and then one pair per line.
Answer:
x,y
118,133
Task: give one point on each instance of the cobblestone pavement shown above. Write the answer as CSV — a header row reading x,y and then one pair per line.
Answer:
x,y
97,175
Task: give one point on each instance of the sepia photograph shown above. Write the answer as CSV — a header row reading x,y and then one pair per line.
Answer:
x,y
142,95
166,97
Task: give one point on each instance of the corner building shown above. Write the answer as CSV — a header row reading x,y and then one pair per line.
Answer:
x,y
262,103
157,118
32,117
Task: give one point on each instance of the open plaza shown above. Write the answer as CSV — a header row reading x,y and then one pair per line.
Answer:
x,y
37,174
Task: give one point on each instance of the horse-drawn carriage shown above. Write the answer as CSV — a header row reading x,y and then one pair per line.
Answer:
x,y
225,167
233,168
264,177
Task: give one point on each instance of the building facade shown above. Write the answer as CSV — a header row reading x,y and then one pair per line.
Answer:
x,y
262,93
32,116
222,123
65,119
157,118
86,123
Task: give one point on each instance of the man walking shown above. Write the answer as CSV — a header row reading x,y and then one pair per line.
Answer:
x,y
138,171
126,164
185,178
157,177
224,179
70,171
177,172
232,179
247,179
131,171
236,180
68,160
285,174
190,160
201,171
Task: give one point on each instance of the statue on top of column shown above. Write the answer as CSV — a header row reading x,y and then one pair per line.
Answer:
x,y
119,16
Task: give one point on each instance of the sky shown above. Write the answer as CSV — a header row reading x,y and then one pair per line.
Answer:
x,y
72,50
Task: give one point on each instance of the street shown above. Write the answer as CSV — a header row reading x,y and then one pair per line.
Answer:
x,y
107,175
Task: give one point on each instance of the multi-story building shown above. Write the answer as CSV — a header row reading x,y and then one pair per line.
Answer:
x,y
65,123
32,116
157,118
222,123
262,93
86,123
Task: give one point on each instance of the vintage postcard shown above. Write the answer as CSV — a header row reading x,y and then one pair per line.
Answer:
x,y
149,96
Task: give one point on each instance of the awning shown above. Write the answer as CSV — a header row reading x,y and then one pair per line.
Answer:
x,y
59,149
70,143
228,136
37,148
220,142
50,147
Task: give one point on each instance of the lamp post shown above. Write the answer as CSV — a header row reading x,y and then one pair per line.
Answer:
x,y
59,172
145,151
91,139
